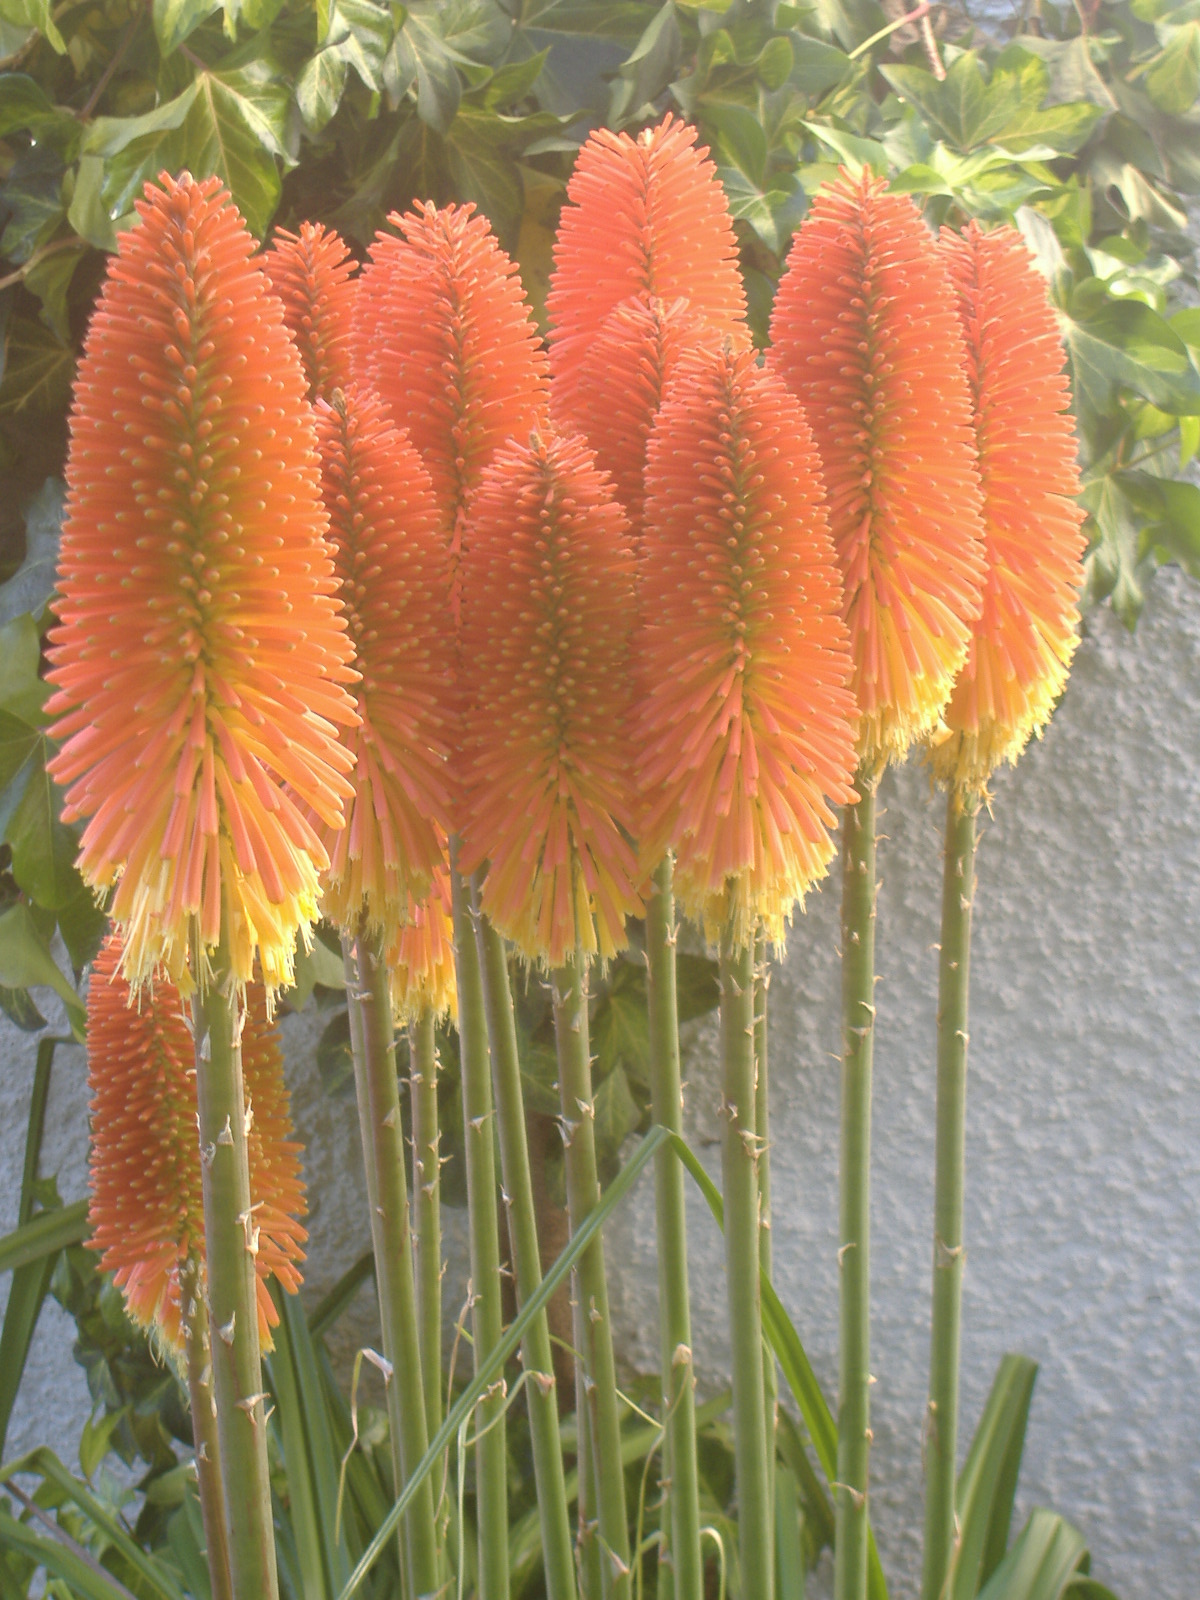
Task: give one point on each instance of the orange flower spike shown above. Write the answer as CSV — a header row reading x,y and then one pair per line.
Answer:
x,y
391,560
1023,643
624,378
645,217
445,337
146,1209
200,656
548,602
421,957
866,334
745,730
312,272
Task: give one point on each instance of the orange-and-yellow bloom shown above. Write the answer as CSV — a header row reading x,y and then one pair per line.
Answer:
x,y
420,957
146,1208
312,272
547,615
624,377
745,727
444,335
645,217
866,334
1022,644
200,657
392,563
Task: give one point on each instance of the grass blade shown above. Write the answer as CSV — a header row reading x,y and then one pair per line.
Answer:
x,y
513,1335
987,1484
323,1316
46,1234
794,1363
1042,1563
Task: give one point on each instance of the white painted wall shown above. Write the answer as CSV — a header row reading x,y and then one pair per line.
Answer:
x,y
1084,1144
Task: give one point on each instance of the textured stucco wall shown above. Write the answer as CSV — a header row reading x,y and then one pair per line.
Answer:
x,y
1084,1145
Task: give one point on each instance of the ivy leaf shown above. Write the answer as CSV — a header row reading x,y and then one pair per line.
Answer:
x,y
33,583
1113,560
17,1005
585,41
177,20
34,14
26,963
230,123
335,1059
82,924
620,1030
648,69
617,1115
320,86
38,368
1113,342
851,148
697,986
25,107
1173,78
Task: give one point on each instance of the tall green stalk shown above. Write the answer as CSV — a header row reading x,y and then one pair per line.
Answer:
x,y
204,1428
954,970
762,1125
681,1516
427,1208
740,1153
230,1246
858,1036
370,1004
487,1313
569,994
557,1557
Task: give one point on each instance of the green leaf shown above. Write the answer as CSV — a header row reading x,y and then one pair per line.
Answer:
x,y
1114,558
1113,342
26,107
1046,1557
37,14
318,965
335,1060
1189,439
33,202
320,86
697,986
1173,78
33,582
616,1114
177,20
38,368
230,123
506,1347
82,924
987,1484
855,151
619,1027
17,1005
48,1233
43,847
648,68
26,963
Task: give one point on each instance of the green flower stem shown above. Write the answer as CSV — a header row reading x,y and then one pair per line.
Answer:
x,y
569,994
371,1036
487,1314
231,1242
680,1551
941,1449
557,1556
204,1428
762,1126
427,1208
740,1153
858,1036
587,1543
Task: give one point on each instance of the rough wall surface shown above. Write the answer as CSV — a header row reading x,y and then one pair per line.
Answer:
x,y
1083,1150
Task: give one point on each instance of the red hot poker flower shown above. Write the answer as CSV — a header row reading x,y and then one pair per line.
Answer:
x,y
646,217
865,333
1023,642
421,957
200,656
312,272
146,1210
548,601
624,378
392,564
746,723
444,335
